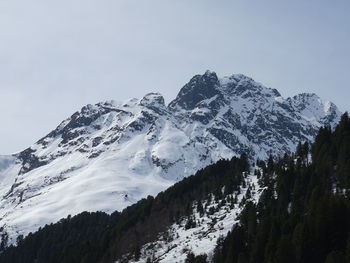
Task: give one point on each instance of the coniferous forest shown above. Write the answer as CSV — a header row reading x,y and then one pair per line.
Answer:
x,y
98,237
303,214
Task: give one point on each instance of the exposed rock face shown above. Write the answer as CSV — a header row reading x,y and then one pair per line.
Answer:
x,y
110,150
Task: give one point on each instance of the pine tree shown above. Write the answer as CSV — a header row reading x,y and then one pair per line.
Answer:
x,y
200,208
285,251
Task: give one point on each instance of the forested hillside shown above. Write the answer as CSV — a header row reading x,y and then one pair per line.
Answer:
x,y
304,214
98,237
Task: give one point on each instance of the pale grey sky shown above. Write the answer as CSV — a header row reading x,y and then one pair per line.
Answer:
x,y
56,56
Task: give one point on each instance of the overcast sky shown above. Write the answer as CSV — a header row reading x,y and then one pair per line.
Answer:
x,y
56,56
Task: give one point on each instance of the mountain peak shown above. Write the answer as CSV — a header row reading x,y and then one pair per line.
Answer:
x,y
307,100
199,88
210,75
153,99
238,84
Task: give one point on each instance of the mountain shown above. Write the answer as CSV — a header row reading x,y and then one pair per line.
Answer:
x,y
193,211
295,210
109,155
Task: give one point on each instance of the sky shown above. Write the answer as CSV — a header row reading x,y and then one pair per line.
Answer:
x,y
57,56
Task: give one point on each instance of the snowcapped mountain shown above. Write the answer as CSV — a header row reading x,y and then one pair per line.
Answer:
x,y
109,155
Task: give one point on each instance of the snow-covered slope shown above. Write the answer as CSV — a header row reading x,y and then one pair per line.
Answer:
x,y
202,237
109,155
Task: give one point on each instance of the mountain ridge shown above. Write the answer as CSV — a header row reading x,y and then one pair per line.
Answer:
x,y
294,209
109,155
